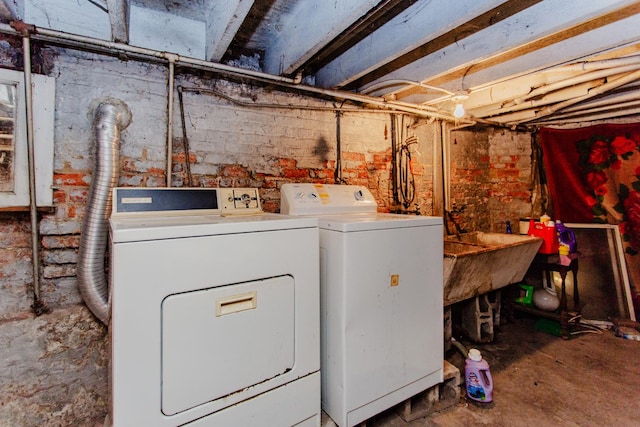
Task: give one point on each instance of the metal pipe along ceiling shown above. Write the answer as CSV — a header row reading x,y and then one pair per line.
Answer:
x,y
612,84
92,44
110,119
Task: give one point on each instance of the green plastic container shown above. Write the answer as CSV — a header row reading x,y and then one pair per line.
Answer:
x,y
526,295
548,326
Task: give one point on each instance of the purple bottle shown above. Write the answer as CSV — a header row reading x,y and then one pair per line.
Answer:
x,y
477,377
566,236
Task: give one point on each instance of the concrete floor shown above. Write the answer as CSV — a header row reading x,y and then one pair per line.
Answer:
x,y
543,380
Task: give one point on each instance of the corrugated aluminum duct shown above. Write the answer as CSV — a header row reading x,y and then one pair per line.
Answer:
x,y
110,119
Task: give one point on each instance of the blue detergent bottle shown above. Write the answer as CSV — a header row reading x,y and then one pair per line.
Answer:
x,y
566,236
477,377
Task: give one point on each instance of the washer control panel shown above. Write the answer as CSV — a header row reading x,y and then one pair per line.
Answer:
x,y
321,199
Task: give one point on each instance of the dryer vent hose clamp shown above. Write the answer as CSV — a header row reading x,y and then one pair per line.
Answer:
x,y
110,118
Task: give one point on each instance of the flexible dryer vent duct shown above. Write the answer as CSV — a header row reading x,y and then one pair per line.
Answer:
x,y
110,119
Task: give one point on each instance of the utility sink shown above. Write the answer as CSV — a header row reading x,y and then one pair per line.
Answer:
x,y
476,263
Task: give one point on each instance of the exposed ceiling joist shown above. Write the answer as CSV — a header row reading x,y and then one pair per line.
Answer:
x,y
399,39
307,28
119,18
222,24
7,13
374,19
511,48
519,61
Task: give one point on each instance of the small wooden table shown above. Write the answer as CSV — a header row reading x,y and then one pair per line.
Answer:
x,y
548,264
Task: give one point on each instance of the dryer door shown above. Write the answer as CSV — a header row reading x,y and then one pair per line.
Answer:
x,y
220,340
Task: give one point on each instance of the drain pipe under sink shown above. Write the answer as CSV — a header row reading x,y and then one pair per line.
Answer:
x,y
110,118
462,349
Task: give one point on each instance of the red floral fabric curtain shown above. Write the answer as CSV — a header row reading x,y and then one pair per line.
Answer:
x,y
594,176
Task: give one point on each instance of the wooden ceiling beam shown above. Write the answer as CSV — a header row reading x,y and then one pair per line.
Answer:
x,y
224,19
360,29
474,25
307,28
417,25
119,20
239,45
521,50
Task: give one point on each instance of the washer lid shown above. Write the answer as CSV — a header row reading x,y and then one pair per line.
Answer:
x,y
376,221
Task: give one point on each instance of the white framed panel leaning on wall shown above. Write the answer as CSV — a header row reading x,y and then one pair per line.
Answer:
x,y
14,166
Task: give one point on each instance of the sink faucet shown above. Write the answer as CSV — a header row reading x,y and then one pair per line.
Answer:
x,y
452,215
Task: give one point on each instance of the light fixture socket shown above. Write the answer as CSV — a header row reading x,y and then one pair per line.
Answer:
x,y
458,99
458,112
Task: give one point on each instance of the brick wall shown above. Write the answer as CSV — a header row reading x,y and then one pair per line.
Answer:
x,y
490,178
509,178
53,368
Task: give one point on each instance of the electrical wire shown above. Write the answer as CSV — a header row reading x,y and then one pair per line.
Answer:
x,y
407,178
394,161
185,140
267,105
585,325
402,179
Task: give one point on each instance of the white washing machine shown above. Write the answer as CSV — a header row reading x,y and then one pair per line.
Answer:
x,y
381,300
215,311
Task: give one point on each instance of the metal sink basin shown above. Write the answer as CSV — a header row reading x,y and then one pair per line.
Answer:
x,y
476,263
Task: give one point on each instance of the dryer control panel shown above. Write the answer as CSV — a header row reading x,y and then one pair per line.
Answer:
x,y
184,201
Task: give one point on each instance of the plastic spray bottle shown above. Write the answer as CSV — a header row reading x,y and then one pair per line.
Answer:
x,y
477,377
566,236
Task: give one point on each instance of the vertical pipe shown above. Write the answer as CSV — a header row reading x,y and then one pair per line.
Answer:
x,y
185,139
446,165
170,119
37,306
437,176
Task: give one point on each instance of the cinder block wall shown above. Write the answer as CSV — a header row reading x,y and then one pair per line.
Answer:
x,y
54,368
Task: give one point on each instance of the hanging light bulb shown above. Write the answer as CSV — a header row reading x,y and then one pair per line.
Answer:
x,y
458,111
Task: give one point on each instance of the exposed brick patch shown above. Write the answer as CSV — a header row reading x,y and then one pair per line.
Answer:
x,y
359,157
78,179
322,174
57,271
78,195
295,174
59,196
59,242
287,163
235,171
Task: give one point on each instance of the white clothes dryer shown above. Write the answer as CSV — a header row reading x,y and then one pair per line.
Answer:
x,y
215,311
381,299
